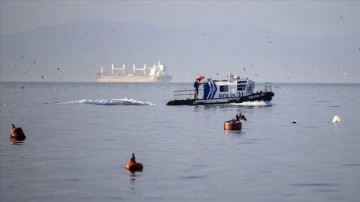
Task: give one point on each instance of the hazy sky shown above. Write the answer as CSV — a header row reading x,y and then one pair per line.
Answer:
x,y
320,19
305,18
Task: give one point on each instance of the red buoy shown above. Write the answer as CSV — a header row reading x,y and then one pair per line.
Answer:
x,y
133,166
235,123
17,133
230,125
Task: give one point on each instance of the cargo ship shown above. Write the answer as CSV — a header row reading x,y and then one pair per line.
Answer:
x,y
155,73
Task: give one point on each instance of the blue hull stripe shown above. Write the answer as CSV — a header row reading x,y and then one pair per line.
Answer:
x,y
209,90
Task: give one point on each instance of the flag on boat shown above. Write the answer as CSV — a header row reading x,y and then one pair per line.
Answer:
x,y
200,78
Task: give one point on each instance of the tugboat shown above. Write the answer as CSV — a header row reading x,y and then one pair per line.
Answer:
x,y
231,90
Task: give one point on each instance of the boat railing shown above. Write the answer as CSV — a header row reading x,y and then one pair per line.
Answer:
x,y
183,94
267,87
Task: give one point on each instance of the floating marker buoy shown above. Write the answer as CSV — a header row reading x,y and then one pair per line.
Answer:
x,y
17,133
133,166
336,119
235,123
230,125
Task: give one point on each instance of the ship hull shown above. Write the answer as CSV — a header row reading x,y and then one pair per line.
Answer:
x,y
264,96
133,79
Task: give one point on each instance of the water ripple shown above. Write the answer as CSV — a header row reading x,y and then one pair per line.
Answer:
x,y
351,164
192,177
313,184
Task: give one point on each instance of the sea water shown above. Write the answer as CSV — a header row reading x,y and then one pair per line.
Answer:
x,y
81,135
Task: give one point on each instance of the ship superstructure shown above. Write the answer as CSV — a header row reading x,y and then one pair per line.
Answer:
x,y
155,73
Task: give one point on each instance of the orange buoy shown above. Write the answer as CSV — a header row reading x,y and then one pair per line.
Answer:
x,y
133,166
232,125
235,123
17,133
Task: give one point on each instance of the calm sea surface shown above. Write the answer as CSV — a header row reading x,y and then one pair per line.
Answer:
x,y
80,136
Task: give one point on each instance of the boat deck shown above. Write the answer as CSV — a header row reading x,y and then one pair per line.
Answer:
x,y
183,95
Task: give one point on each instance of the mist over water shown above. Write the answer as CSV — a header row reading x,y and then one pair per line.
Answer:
x,y
81,135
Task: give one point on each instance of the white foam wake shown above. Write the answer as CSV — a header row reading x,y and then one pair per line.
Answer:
x,y
123,101
253,103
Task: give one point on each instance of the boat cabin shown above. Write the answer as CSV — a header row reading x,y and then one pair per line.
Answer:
x,y
233,87
231,90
